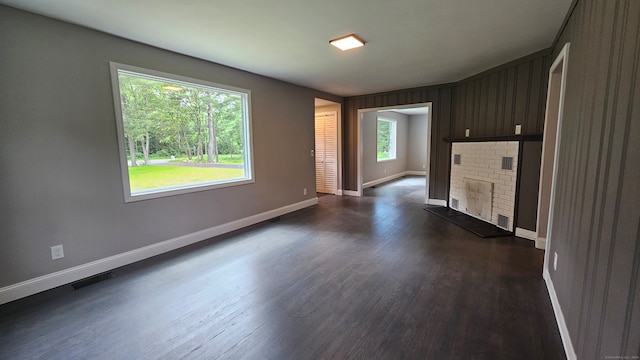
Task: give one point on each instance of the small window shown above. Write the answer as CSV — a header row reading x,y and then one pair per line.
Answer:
x,y
386,139
179,135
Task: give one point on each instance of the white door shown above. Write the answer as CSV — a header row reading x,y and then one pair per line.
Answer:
x,y
326,129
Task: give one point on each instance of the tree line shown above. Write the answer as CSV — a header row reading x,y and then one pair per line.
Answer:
x,y
165,119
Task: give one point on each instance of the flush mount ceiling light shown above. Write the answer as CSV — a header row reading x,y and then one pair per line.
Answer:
x,y
347,42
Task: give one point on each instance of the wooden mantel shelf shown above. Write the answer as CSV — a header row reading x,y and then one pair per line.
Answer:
x,y
537,137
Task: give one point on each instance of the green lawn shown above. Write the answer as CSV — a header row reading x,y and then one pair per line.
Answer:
x,y
158,176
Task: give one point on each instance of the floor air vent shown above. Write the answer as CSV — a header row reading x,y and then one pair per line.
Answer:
x,y
503,221
92,280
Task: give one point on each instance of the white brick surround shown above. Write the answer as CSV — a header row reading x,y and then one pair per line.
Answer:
x,y
483,161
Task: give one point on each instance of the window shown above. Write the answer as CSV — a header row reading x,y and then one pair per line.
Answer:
x,y
179,135
386,139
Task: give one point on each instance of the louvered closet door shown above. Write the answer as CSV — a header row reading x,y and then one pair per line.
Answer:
x,y
327,152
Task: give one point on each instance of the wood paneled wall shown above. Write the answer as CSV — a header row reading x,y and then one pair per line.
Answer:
x,y
596,220
492,103
441,99
489,104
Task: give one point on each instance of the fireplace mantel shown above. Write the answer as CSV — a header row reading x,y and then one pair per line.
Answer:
x,y
537,137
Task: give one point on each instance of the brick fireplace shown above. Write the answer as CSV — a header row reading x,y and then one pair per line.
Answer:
x,y
483,180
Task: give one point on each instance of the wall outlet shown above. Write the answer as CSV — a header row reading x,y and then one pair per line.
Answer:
x,y
313,153
518,129
57,252
555,261
424,166
385,171
304,191
466,133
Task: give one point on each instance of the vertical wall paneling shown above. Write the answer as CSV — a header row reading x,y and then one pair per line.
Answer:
x,y
439,96
489,104
596,219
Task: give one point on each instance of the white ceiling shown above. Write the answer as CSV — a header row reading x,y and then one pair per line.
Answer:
x,y
410,43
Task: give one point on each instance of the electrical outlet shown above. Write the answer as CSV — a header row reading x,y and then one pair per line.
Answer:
x,y
424,166
304,191
466,133
385,171
57,252
518,129
555,261
313,153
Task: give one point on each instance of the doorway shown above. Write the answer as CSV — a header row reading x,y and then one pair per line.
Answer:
x,y
550,147
420,109
328,150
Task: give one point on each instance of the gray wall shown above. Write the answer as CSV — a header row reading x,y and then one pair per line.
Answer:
x,y
417,145
371,168
596,221
61,181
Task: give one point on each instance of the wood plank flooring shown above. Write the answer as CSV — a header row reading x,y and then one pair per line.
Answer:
x,y
374,277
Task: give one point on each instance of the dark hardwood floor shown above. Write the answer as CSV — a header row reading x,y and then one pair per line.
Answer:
x,y
374,277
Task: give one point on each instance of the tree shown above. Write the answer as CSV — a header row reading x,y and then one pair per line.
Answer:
x,y
164,118
212,149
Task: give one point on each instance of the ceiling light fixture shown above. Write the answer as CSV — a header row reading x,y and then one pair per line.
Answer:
x,y
347,42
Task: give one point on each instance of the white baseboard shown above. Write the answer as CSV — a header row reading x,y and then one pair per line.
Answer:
x,y
350,193
541,243
392,177
383,180
59,278
562,325
527,234
437,202
339,192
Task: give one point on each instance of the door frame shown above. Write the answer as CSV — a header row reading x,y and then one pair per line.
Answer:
x,y
558,69
429,106
338,106
338,166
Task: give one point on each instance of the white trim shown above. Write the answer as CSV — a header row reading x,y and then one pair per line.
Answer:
x,y
563,58
437,202
351,193
339,139
359,163
557,310
50,281
383,180
392,177
541,243
129,195
527,234
393,138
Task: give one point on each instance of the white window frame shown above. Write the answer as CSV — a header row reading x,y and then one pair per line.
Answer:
x,y
187,188
393,137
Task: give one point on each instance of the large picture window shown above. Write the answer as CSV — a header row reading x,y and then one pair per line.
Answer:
x,y
178,134
386,141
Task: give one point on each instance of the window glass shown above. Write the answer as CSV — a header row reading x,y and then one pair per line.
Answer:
x,y
178,134
386,141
